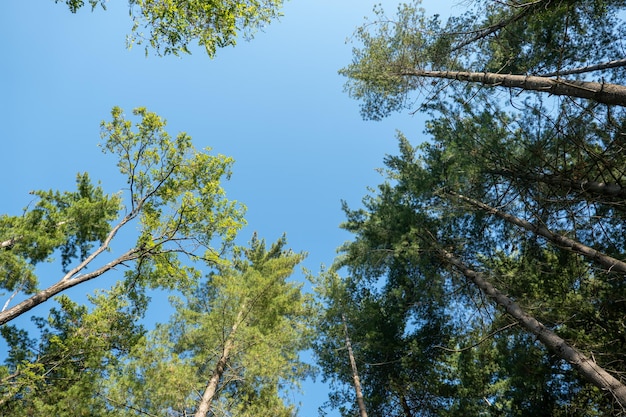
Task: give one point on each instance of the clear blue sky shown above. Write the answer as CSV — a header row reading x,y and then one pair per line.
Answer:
x,y
274,104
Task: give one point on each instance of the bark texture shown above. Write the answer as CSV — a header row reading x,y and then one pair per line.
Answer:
x,y
587,367
355,373
601,92
204,406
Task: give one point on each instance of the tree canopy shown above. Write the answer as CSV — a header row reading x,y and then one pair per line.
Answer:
x,y
238,324
484,276
169,27
498,245
230,348
173,198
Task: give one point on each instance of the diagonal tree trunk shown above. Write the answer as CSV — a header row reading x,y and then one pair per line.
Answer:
x,y
612,264
355,373
601,92
73,277
587,367
204,406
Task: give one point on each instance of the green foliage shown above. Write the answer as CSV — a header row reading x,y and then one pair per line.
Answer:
x,y
175,192
172,25
531,38
181,215
426,341
75,5
554,163
395,306
69,222
375,75
247,302
549,36
59,373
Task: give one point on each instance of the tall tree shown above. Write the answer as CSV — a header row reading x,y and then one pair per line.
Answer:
x,y
172,25
174,196
521,39
518,195
393,230
231,347
174,201
60,371
394,327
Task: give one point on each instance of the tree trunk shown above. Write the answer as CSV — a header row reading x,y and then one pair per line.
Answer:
x,y
73,277
204,406
587,367
62,285
612,264
405,406
355,374
601,92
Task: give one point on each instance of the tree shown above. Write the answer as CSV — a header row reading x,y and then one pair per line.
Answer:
x,y
516,200
355,372
174,194
393,230
394,330
173,24
496,43
176,204
231,347
61,371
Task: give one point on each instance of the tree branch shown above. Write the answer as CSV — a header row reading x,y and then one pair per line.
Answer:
x,y
596,187
61,286
483,33
590,68
473,345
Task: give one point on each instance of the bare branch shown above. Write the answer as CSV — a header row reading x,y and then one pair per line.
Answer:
x,y
482,340
590,68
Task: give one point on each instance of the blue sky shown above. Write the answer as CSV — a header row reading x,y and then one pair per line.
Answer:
x,y
274,104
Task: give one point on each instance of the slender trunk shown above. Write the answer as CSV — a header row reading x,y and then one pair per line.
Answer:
x,y
600,92
73,277
355,373
204,406
591,371
405,407
612,264
44,295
